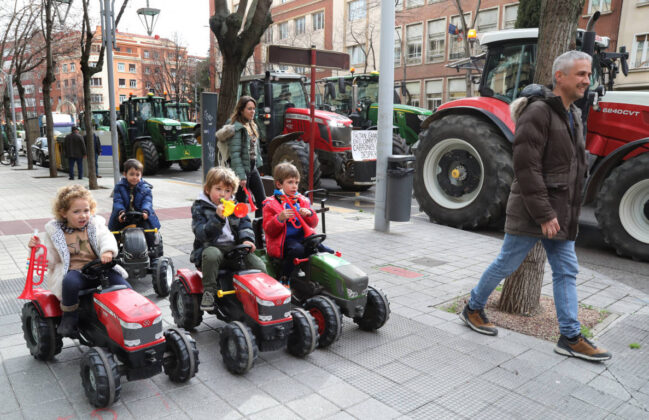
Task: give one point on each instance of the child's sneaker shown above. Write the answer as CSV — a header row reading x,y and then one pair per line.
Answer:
x,y
207,302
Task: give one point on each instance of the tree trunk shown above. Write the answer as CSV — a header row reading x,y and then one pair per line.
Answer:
x,y
522,290
28,140
557,32
47,86
90,130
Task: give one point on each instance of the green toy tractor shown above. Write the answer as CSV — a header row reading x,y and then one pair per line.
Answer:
x,y
357,95
145,134
179,111
327,285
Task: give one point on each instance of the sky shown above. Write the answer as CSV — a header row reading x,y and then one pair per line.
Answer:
x,y
189,18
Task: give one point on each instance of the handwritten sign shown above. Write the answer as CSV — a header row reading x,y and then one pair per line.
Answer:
x,y
364,144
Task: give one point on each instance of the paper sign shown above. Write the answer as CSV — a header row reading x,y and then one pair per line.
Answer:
x,y
364,144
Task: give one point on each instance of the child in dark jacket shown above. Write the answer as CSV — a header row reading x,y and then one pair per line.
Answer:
x,y
132,193
283,239
216,234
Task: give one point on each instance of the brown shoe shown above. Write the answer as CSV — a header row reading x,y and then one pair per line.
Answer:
x,y
581,347
477,320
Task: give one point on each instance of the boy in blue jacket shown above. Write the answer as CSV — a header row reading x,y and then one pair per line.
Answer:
x,y
132,193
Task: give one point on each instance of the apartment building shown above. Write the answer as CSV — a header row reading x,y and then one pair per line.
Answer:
x,y
634,34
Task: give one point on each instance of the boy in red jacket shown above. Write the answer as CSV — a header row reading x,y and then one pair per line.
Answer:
x,y
283,239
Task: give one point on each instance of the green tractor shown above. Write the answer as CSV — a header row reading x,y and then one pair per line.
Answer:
x,y
179,111
100,120
357,95
145,134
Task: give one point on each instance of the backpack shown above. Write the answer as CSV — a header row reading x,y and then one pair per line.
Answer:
x,y
224,134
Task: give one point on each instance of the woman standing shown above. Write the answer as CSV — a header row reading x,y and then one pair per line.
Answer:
x,y
245,152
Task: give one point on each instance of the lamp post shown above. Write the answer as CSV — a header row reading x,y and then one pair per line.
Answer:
x,y
10,86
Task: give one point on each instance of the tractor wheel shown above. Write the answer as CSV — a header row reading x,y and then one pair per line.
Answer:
x,y
623,208
327,317
197,134
377,311
164,164
344,174
238,347
100,377
190,164
303,338
463,172
121,150
146,153
40,333
163,276
180,361
185,307
297,153
399,146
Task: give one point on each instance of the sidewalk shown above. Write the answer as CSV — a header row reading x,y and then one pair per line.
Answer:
x,y
423,364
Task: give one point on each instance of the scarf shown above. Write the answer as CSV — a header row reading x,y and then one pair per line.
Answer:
x,y
68,229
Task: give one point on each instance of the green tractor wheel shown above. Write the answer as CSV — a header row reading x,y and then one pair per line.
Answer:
x,y
146,153
190,164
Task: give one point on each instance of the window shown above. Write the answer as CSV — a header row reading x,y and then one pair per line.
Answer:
x,y
397,46
155,55
58,84
95,81
434,1
414,37
121,67
318,20
456,43
64,68
73,82
639,53
95,48
122,83
356,54
71,67
96,98
300,25
511,13
29,89
122,98
92,64
148,85
145,54
456,88
436,41
65,83
398,5
131,68
413,88
487,20
599,5
283,30
129,51
356,10
118,49
268,35
414,3
132,83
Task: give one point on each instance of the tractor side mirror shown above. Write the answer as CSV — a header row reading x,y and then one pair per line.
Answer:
x,y
625,65
256,89
342,87
330,90
486,91
397,98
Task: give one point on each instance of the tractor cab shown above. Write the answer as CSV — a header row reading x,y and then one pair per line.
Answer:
x,y
179,111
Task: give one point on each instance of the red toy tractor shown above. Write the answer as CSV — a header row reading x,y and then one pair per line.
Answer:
x,y
122,328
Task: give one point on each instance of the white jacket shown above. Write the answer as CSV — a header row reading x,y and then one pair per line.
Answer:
x,y
58,255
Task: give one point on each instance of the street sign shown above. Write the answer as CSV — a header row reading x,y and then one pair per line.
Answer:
x,y
302,57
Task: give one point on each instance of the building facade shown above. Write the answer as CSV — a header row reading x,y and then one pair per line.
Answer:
x,y
634,35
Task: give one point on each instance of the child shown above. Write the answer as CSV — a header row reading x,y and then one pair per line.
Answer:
x,y
216,234
76,237
132,193
283,240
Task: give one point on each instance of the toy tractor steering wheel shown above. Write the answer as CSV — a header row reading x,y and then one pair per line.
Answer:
x,y
311,242
95,269
239,252
133,217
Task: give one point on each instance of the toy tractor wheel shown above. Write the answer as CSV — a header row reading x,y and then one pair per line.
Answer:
x,y
190,164
238,347
297,153
185,307
163,276
100,377
463,172
327,317
146,153
40,333
623,208
303,338
377,311
180,360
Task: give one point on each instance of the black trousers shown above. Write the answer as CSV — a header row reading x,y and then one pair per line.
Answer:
x,y
256,188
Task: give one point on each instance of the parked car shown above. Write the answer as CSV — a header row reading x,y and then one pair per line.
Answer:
x,y
39,151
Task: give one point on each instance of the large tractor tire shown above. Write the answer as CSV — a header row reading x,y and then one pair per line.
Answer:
x,y
297,153
463,172
121,150
399,146
146,153
623,208
189,164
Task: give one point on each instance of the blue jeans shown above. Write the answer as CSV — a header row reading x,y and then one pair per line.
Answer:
x,y
79,162
75,281
562,259
96,164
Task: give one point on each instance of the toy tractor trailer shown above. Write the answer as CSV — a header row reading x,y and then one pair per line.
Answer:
x,y
464,155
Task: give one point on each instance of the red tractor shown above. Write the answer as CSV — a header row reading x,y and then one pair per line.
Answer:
x,y
464,154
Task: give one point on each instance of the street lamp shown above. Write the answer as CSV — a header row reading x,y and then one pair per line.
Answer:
x,y
10,86
148,17
67,10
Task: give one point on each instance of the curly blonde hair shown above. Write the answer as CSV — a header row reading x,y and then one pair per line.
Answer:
x,y
65,196
220,174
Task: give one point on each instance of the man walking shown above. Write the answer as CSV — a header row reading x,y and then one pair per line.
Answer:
x,y
75,150
545,200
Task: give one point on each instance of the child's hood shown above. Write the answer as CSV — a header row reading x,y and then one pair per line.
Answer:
x,y
203,197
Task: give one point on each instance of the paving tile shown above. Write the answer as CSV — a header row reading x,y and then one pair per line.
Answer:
x,y
597,398
208,412
610,387
372,409
343,394
285,389
279,412
252,402
313,406
153,407
433,411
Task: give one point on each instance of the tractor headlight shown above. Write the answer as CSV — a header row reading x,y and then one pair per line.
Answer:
x,y
336,124
167,127
130,325
265,302
265,318
422,117
131,343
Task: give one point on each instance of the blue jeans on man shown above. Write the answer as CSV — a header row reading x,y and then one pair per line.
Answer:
x,y
563,261
79,162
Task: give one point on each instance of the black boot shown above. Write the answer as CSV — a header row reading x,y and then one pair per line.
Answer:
x,y
69,323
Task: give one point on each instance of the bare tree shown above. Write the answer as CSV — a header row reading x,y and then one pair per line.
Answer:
x,y
9,17
170,73
237,33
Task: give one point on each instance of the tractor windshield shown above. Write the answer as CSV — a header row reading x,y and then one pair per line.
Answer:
x,y
289,92
368,90
508,70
